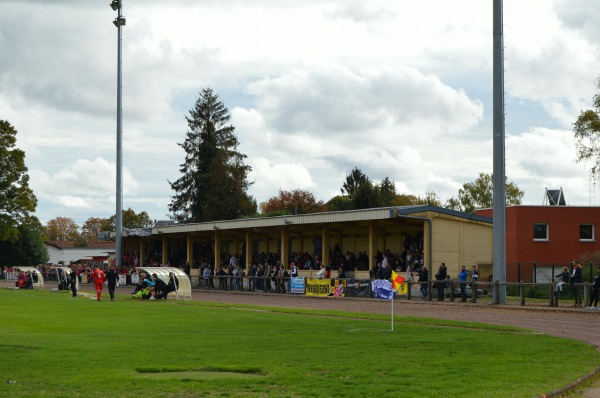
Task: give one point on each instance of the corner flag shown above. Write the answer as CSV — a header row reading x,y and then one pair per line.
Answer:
x,y
398,283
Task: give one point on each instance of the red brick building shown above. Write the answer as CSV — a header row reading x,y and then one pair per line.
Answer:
x,y
546,235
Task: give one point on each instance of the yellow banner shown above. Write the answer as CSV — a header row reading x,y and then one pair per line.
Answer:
x,y
318,287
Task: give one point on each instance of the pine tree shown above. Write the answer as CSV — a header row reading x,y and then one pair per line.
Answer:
x,y
214,183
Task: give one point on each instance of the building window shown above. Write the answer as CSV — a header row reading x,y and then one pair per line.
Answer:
x,y
540,231
586,232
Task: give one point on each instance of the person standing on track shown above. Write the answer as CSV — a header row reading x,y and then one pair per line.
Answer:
x,y
99,278
73,281
112,277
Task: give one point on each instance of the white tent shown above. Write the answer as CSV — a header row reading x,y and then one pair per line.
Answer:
x,y
184,292
40,278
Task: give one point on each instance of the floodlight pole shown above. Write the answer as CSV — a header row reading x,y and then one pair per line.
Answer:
x,y
499,179
117,5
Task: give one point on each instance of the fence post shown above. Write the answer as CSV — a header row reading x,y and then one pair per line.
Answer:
x,y
451,283
551,294
429,290
534,272
522,292
474,292
585,294
518,271
409,290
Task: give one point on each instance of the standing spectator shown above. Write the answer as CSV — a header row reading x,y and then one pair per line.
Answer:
x,y
576,278
73,281
294,270
293,274
564,277
424,279
98,276
252,277
462,277
206,274
595,292
236,277
409,271
112,277
440,278
473,283
260,278
222,274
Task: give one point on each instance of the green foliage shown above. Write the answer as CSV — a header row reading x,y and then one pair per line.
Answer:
x,y
131,220
587,134
478,194
214,182
363,194
62,229
29,249
338,203
17,201
207,349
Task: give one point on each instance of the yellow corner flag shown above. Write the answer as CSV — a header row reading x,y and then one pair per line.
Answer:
x,y
398,283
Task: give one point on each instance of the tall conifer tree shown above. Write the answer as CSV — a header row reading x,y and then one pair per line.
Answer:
x,y
214,183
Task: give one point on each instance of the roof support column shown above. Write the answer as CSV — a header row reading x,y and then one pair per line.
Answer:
x,y
165,250
372,243
141,255
285,244
217,250
248,251
325,245
189,256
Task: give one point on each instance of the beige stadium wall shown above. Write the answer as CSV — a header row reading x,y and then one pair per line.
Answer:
x,y
459,243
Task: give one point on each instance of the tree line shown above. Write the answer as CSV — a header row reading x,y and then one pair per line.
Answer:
x,y
214,186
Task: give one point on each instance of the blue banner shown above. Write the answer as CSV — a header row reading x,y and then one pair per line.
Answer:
x,y
297,285
382,289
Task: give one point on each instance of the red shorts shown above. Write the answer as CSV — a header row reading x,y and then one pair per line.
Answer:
x,y
98,286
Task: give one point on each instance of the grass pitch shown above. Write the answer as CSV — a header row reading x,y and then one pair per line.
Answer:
x,y
55,346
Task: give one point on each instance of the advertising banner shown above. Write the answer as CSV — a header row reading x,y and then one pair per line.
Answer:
x,y
317,287
358,288
297,285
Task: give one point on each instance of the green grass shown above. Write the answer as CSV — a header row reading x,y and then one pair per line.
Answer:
x,y
54,346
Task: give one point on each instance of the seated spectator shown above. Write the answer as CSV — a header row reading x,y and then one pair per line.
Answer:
x,y
29,281
142,288
322,272
171,286
158,288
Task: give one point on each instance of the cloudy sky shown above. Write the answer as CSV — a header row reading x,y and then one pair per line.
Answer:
x,y
399,89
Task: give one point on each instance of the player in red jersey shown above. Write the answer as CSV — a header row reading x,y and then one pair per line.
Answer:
x,y
99,278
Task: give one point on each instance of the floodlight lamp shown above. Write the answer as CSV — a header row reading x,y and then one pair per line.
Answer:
x,y
120,21
115,5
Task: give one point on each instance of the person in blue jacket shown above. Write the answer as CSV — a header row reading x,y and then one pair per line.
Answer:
x,y
462,277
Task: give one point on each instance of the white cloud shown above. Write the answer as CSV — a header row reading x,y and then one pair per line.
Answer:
x,y
316,88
